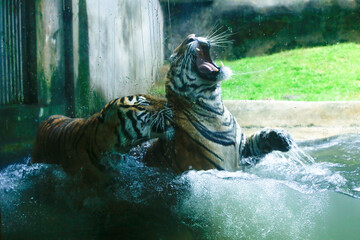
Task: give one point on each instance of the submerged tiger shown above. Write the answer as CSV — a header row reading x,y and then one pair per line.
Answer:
x,y
206,135
77,143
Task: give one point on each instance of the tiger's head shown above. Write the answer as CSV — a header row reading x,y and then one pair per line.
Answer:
x,y
192,69
138,118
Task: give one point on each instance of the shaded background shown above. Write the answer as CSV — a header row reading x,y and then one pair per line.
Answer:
x,y
261,27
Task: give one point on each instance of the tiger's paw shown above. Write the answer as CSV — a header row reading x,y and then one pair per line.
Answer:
x,y
266,141
272,139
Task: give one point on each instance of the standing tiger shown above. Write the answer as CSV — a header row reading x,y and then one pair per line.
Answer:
x,y
206,135
77,143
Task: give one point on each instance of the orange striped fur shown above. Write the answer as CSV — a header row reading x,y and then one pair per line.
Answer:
x,y
77,143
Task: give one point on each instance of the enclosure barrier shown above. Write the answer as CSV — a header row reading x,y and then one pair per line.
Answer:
x,y
17,84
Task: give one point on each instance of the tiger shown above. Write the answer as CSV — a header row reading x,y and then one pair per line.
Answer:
x,y
78,144
206,135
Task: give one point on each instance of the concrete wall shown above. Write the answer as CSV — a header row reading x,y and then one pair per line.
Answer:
x,y
50,57
118,48
124,48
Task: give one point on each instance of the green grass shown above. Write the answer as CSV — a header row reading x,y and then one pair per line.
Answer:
x,y
330,73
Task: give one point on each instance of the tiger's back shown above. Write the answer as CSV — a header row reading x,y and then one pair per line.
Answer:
x,y
68,142
50,142
77,143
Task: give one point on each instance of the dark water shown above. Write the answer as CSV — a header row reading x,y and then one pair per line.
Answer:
x,y
312,192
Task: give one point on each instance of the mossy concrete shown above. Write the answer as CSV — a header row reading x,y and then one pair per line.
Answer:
x,y
117,51
19,124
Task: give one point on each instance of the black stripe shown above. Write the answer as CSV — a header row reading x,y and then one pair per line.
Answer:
x,y
191,78
142,114
80,132
218,167
96,130
106,108
138,107
123,126
130,115
94,160
203,114
72,128
126,132
80,135
117,137
63,130
187,87
203,146
210,161
217,111
242,148
144,103
58,130
210,89
51,119
113,101
224,138
109,104
181,74
230,122
130,98
210,97
127,106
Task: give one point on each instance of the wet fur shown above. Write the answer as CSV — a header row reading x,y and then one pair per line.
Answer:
x,y
77,144
207,135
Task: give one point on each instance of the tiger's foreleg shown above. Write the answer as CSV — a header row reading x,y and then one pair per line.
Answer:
x,y
266,141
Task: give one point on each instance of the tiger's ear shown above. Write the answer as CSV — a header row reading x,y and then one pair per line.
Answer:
x,y
172,57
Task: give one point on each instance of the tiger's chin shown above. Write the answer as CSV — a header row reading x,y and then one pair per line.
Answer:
x,y
224,73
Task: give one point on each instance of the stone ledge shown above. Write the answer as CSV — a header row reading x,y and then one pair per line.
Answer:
x,y
309,133
304,120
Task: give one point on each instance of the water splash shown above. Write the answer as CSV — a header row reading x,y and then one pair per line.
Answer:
x,y
246,206
285,196
298,170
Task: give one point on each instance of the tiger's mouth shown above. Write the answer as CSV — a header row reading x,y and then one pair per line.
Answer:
x,y
204,64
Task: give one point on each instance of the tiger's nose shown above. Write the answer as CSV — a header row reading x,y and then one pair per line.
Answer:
x,y
203,42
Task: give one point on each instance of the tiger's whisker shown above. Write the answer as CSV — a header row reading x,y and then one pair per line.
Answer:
x,y
213,30
221,35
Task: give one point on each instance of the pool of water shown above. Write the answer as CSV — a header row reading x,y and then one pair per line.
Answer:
x,y
312,192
